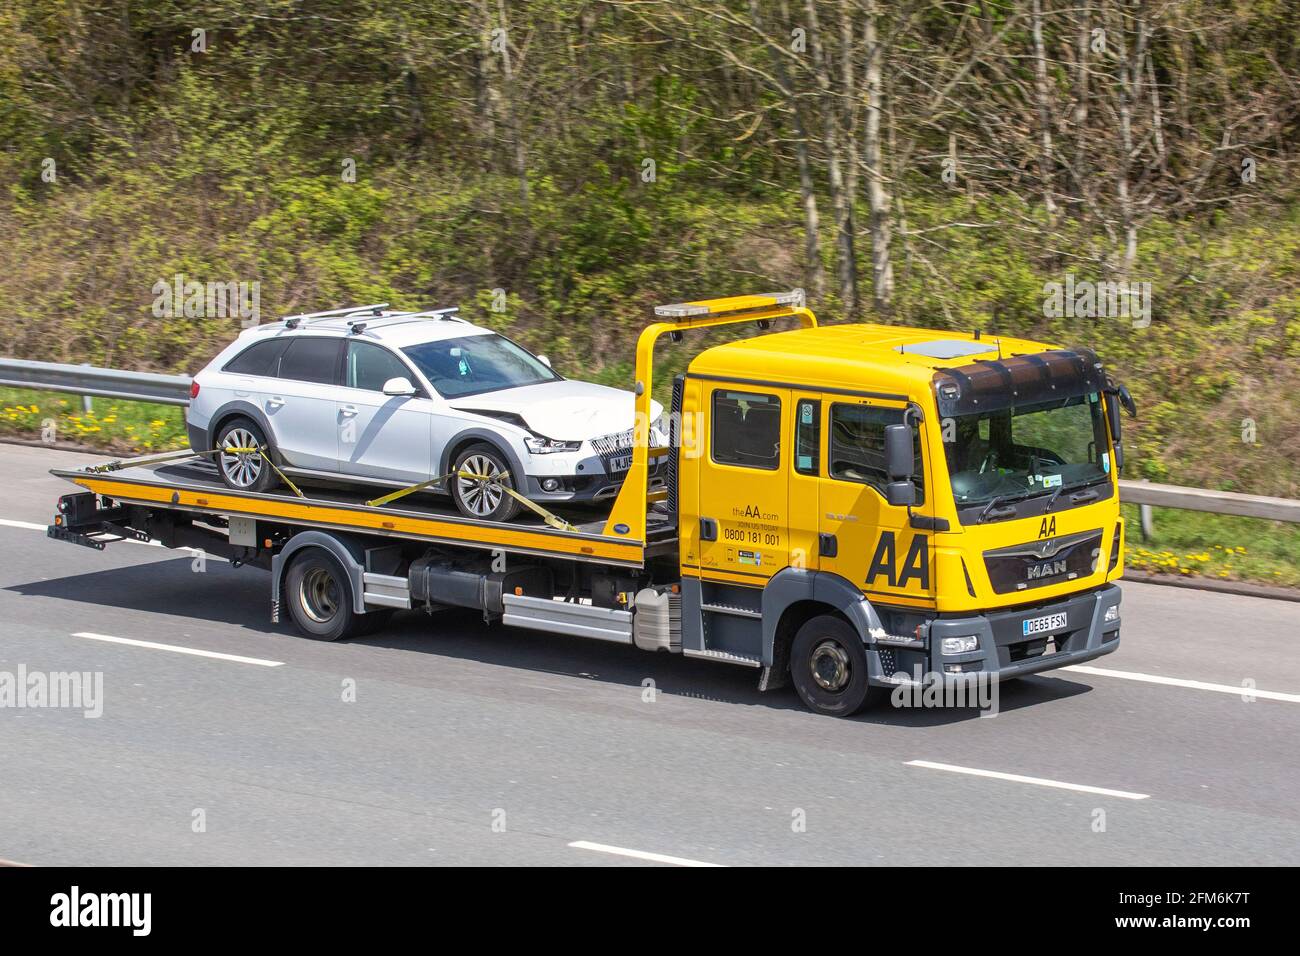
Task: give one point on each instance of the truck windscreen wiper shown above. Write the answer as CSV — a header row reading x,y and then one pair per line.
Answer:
x,y
994,502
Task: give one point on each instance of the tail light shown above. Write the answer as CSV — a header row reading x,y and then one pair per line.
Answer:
x,y
194,390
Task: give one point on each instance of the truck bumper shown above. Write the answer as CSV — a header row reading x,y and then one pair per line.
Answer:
x,y
1005,649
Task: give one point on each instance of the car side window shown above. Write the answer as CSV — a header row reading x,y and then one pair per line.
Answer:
x,y
746,429
311,360
260,359
857,446
369,366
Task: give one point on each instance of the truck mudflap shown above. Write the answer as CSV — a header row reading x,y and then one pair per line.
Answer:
x,y
1024,640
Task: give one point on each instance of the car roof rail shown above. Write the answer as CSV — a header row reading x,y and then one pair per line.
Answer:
x,y
293,321
362,322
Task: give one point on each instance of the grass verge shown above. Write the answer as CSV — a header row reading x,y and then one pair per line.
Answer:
x,y
1197,544
117,427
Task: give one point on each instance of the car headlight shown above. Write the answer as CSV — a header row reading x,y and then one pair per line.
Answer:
x,y
961,645
545,446
1112,614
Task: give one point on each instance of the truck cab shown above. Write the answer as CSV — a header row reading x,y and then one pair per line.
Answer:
x,y
863,506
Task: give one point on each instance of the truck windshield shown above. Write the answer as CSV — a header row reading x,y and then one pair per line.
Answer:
x,y
1028,450
473,364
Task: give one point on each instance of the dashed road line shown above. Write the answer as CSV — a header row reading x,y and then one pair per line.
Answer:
x,y
638,854
1020,778
178,649
1238,690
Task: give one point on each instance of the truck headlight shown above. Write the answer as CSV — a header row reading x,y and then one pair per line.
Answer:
x,y
545,446
1112,614
960,645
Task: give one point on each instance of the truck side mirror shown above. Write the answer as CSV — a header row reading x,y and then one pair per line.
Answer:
x,y
901,493
898,452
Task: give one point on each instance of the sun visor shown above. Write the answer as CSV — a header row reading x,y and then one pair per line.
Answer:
x,y
996,384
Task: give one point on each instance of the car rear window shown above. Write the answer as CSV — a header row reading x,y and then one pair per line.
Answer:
x,y
259,359
311,360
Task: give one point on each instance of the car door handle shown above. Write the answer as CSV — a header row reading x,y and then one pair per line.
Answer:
x,y
275,402
708,529
348,411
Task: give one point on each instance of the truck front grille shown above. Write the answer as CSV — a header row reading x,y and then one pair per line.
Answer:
x,y
1037,564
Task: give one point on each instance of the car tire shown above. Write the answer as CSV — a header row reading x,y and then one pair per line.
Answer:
x,y
483,499
318,596
245,471
828,666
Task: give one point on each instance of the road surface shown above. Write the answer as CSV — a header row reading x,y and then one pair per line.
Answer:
x,y
443,741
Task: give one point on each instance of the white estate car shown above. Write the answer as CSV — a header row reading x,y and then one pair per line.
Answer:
x,y
400,398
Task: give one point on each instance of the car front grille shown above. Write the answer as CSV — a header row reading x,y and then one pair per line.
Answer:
x,y
612,447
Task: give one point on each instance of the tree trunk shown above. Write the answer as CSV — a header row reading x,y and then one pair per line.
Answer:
x,y
1045,168
882,269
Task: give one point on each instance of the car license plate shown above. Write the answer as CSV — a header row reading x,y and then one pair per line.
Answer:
x,y
1044,624
621,463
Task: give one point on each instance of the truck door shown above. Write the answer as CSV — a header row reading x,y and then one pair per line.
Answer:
x,y
873,543
743,483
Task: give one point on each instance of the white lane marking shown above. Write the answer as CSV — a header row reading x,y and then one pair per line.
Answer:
x,y
1238,691
638,854
1018,778
175,648
10,523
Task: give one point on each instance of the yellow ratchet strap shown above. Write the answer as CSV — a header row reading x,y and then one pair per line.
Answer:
x,y
551,519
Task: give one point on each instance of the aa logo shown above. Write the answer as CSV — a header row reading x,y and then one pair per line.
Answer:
x,y
1047,528
915,566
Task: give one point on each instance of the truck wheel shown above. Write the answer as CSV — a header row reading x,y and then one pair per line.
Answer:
x,y
481,496
828,666
244,470
318,594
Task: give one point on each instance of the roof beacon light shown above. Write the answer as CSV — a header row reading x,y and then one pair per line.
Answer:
x,y
793,299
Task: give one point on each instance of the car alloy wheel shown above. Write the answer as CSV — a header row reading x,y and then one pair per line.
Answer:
x,y
242,468
481,493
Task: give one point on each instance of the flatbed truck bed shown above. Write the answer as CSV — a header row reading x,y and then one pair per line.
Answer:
x,y
194,487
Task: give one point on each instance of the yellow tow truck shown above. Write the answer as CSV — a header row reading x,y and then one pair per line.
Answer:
x,y
847,508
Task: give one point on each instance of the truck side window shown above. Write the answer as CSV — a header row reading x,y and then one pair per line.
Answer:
x,y
808,437
746,429
857,446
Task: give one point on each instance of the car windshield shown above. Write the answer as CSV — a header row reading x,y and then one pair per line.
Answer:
x,y
474,364
1026,451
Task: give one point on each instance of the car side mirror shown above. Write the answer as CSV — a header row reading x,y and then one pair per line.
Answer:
x,y
544,360
399,386
898,452
901,493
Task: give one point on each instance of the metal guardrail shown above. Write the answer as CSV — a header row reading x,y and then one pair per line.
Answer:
x,y
1148,495
100,382
175,390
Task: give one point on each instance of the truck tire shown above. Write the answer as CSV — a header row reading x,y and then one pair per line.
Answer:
x,y
828,666
318,594
483,499
245,471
